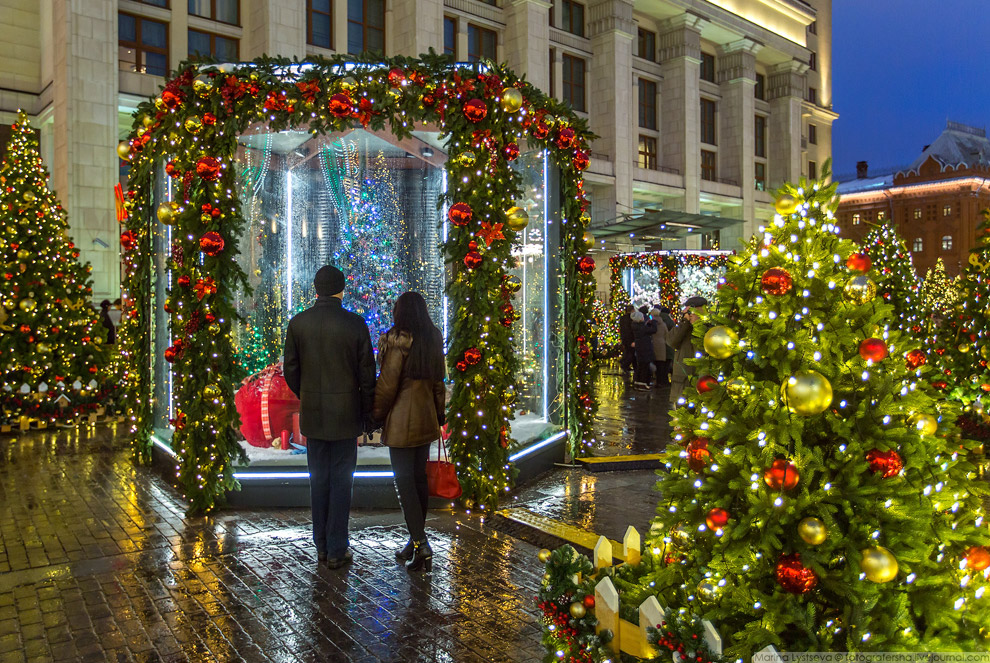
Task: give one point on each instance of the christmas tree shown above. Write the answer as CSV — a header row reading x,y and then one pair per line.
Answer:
x,y
896,280
939,293
819,499
51,353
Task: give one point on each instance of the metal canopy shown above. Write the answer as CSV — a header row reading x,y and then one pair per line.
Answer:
x,y
662,225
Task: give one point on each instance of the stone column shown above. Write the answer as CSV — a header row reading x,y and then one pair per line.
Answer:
x,y
610,92
737,132
275,28
85,132
785,92
680,102
416,26
527,40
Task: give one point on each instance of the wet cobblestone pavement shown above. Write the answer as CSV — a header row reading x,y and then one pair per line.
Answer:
x,y
629,421
98,562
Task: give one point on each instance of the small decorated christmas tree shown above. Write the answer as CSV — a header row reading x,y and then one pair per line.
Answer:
x,y
51,354
820,498
939,294
896,280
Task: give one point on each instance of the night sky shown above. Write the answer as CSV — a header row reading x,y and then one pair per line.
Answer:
x,y
900,69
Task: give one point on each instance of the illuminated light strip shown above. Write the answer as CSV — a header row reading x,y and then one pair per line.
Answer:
x,y
259,476
539,445
954,183
168,277
546,294
288,243
446,227
158,442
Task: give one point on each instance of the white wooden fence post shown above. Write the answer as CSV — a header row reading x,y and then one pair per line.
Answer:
x,y
712,638
650,614
607,609
767,655
603,553
631,546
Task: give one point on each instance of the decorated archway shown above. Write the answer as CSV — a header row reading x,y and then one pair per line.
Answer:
x,y
485,114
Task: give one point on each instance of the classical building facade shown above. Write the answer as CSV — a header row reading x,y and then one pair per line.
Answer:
x,y
935,203
703,106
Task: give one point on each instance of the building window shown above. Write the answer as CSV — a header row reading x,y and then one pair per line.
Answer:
x,y
947,210
450,36
812,170
813,95
573,14
646,45
553,73
946,242
574,82
856,219
919,245
917,213
648,152
812,134
760,91
481,43
225,11
209,45
813,61
365,26
647,104
708,67
760,131
708,166
761,176
708,122
813,28
319,23
142,45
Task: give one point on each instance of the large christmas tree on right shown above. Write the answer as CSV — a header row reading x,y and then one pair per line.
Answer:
x,y
822,500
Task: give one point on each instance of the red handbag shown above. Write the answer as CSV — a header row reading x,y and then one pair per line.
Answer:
x,y
441,475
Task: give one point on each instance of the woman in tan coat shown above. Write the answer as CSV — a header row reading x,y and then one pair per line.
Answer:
x,y
410,400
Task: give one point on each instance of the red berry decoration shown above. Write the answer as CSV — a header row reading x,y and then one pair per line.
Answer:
x,y
586,265
460,214
915,359
472,356
127,240
340,105
776,281
873,349
977,558
581,160
211,243
475,110
706,383
511,152
859,263
396,77
717,518
565,138
540,130
698,454
793,576
887,463
208,168
781,475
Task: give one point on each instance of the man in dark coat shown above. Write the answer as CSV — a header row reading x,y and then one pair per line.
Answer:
x,y
628,359
330,367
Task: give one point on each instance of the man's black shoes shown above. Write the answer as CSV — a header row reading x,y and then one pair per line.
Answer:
x,y
339,562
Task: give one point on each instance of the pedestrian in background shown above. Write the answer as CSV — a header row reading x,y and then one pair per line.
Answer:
x,y
643,331
107,322
410,400
681,340
628,358
660,349
329,365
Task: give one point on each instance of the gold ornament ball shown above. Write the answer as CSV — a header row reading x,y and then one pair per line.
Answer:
x,y
27,304
517,218
807,393
578,610
546,577
589,240
29,197
160,105
44,348
23,254
737,387
512,100
706,590
925,423
124,150
211,391
9,304
513,284
721,342
860,289
786,204
214,329
193,124
348,83
147,121
985,352
543,555
466,159
964,347
166,212
812,531
878,564
585,220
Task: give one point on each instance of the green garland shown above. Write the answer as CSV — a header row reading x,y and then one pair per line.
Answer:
x,y
192,127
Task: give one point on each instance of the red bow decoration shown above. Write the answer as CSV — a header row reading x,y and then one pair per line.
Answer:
x,y
308,90
490,232
364,111
205,287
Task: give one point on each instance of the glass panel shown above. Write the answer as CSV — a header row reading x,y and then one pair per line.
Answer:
x,y
321,6
376,40
355,10
376,13
226,49
449,35
227,11
155,64
157,3
200,8
126,58
199,43
154,34
126,28
321,30
355,38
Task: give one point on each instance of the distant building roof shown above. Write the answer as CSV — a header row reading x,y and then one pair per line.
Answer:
x,y
866,184
958,145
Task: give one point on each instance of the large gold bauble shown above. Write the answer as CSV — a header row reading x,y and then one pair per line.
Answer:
x,y
166,212
512,100
9,304
807,393
585,219
812,531
737,387
707,590
860,289
124,150
23,254
201,87
589,240
517,218
160,105
513,284
29,197
348,83
964,347
147,121
193,124
925,423
878,564
578,610
27,304
786,204
466,159
721,342
543,555
211,391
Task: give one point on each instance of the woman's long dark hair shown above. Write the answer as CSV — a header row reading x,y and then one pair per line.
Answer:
x,y
425,361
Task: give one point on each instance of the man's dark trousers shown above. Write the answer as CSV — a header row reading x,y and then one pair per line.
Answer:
x,y
331,476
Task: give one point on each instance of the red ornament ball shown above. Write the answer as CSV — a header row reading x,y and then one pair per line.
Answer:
x,y
940,384
782,474
172,170
540,130
588,600
698,454
472,259
475,110
581,160
460,214
472,356
565,138
93,370
211,243
859,263
977,558
706,383
128,240
586,265
915,359
886,463
171,99
511,152
208,168
183,280
717,518
776,281
340,105
396,77
172,353
873,349
793,576
462,366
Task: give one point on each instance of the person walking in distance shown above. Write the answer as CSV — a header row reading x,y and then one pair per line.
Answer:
x,y
643,331
660,348
681,340
628,359
329,365
410,399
